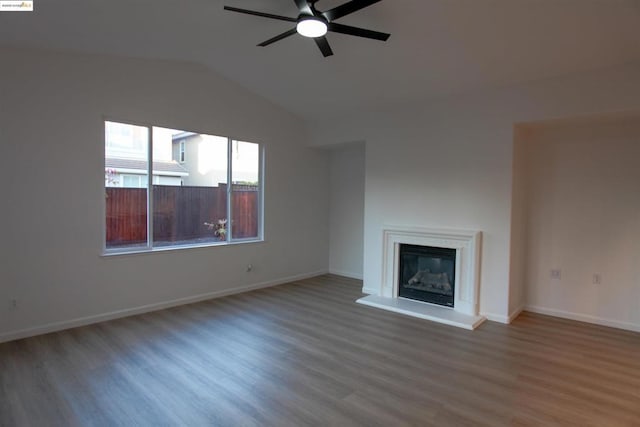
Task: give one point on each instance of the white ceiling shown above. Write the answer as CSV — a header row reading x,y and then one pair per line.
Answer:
x,y
437,47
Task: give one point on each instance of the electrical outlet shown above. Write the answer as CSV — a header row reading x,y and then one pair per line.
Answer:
x,y
597,279
556,274
249,268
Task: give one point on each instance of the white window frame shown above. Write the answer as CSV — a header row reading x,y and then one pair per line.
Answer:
x,y
182,151
229,240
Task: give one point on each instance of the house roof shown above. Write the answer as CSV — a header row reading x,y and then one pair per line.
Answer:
x,y
437,47
118,163
182,135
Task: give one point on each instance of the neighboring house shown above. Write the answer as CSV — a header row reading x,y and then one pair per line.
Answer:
x,y
132,173
179,145
204,157
126,163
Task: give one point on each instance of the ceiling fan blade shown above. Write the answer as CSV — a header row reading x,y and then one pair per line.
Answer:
x,y
347,8
359,32
323,44
262,14
304,7
278,37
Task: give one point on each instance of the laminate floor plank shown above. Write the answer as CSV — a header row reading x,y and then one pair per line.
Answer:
x,y
304,353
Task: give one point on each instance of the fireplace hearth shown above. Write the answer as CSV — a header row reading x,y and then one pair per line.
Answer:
x,y
427,274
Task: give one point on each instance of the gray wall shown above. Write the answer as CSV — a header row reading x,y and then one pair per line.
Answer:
x,y
346,220
53,107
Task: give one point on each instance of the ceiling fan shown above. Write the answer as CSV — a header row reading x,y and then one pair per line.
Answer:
x,y
315,24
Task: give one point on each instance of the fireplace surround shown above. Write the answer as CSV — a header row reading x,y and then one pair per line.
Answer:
x,y
466,244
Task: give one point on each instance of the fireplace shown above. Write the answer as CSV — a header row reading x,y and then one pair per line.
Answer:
x,y
427,273
454,252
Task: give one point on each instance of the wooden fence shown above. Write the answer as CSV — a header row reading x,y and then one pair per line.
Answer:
x,y
179,213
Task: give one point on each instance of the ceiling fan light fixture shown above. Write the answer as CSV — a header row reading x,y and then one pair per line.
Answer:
x,y
311,27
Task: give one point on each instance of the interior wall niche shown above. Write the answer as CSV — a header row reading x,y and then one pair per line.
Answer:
x,y
576,219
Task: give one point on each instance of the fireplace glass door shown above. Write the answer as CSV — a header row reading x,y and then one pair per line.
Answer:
x,y
427,274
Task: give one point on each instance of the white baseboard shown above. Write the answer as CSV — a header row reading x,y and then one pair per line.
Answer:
x,y
369,291
500,318
515,313
583,318
346,274
83,321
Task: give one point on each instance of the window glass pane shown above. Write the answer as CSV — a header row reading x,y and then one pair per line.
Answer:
x,y
190,188
189,203
245,168
134,181
182,151
126,165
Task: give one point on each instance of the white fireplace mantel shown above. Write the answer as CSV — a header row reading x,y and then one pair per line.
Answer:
x,y
467,277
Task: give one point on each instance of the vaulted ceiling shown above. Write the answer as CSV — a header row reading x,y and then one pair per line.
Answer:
x,y
437,47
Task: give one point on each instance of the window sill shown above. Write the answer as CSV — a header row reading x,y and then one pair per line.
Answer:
x,y
138,251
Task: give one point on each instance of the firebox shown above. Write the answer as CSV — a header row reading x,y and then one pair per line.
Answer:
x,y
427,274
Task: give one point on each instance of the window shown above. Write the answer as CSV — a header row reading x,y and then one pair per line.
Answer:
x,y
135,181
214,196
182,151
